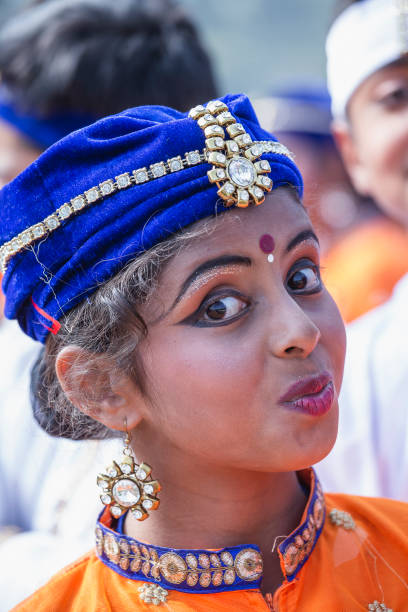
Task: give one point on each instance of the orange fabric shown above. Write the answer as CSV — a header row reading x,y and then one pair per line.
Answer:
x,y
361,270
348,570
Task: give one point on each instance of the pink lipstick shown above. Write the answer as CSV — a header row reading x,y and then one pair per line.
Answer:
x,y
312,395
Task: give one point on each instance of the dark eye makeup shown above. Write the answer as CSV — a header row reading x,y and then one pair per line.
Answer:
x,y
224,306
304,278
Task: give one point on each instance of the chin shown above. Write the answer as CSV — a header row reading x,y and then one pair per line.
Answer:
x,y
318,442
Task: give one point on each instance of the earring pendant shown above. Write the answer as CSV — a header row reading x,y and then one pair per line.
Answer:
x,y
129,486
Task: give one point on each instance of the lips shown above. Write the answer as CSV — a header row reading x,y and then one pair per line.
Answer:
x,y
313,395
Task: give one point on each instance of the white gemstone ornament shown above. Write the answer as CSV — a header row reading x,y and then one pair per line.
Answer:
x,y
235,169
128,486
158,170
175,164
123,180
78,203
92,195
38,231
193,158
107,187
153,594
52,222
64,212
241,172
126,492
26,237
141,175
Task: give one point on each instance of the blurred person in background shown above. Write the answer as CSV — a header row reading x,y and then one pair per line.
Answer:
x,y
358,276
301,117
367,50
63,64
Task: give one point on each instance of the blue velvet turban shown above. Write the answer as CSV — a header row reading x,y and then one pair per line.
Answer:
x,y
63,267
42,131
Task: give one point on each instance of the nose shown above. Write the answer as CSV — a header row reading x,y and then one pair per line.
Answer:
x,y
293,334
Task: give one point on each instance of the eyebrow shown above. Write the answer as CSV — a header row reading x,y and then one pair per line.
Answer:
x,y
212,264
228,260
302,237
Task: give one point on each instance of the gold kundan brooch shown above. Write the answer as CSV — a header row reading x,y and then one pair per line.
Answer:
x,y
236,168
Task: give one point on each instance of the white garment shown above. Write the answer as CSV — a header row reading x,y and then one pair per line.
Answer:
x,y
365,37
370,456
47,485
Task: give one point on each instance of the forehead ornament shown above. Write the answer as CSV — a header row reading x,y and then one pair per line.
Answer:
x,y
237,170
267,245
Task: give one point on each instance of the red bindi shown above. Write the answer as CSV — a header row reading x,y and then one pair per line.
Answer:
x,y
266,243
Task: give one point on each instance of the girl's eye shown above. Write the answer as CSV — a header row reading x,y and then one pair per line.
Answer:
x,y
305,279
224,308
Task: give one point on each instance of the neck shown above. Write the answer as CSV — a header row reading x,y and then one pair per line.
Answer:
x,y
212,507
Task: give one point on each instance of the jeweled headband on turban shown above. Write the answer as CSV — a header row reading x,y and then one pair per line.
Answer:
x,y
105,193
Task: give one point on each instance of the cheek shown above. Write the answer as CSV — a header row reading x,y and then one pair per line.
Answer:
x,y
383,144
203,366
333,337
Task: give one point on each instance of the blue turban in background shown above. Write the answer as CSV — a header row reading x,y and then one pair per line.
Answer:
x,y
42,131
59,271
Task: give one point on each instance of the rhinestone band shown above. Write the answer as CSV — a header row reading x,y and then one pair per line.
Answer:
x,y
218,152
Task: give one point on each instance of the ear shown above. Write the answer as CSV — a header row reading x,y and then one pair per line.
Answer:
x,y
349,151
94,387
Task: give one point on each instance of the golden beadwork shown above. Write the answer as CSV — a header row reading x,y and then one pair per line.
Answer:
x,y
153,594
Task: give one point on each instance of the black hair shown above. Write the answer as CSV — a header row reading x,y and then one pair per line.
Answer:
x,y
110,343
102,56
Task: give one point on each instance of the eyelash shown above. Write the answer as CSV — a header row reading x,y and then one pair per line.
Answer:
x,y
198,319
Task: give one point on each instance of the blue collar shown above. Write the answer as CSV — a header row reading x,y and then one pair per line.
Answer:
x,y
211,571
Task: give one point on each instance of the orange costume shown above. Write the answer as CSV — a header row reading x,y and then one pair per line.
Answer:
x,y
347,554
361,270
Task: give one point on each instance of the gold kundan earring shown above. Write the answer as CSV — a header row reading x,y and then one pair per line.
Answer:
x,y
129,486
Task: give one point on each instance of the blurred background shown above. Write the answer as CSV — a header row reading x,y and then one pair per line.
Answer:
x,y
284,40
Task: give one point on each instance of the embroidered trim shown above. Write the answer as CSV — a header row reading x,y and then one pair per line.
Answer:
x,y
205,571
297,548
199,571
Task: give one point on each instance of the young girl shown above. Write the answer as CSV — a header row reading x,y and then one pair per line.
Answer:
x,y
168,265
